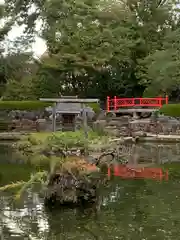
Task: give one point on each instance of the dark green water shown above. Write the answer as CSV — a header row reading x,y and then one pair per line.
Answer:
x,y
127,210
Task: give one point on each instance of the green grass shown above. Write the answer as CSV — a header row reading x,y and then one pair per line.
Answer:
x,y
172,110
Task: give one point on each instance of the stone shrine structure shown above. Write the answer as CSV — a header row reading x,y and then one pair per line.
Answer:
x,y
69,114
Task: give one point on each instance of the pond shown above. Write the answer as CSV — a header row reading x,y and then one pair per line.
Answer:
x,y
126,209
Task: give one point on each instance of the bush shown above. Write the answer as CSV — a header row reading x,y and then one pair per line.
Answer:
x,y
23,105
36,144
35,105
172,110
94,106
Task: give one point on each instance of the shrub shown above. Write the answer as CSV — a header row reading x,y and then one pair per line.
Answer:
x,y
35,105
43,143
23,105
172,110
94,106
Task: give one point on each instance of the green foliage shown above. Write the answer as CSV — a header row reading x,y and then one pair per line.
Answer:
x,y
173,170
37,148
62,139
172,110
94,48
23,105
21,186
162,73
101,50
95,107
12,90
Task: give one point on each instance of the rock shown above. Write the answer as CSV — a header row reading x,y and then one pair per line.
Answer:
x,y
117,123
110,115
113,131
42,124
90,113
135,115
99,125
101,115
139,134
23,125
145,115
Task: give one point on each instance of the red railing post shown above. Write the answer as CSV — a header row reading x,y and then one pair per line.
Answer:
x,y
115,103
107,104
140,101
166,99
160,101
133,102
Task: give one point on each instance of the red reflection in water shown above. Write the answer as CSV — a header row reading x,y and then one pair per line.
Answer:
x,y
124,171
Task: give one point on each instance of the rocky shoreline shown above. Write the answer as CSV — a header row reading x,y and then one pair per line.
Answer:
x,y
126,126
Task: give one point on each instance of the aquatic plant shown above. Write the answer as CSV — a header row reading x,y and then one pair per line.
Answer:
x,y
22,186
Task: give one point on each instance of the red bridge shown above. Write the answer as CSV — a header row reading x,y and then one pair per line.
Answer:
x,y
126,172
114,104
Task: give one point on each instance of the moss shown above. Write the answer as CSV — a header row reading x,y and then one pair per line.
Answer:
x,y
172,110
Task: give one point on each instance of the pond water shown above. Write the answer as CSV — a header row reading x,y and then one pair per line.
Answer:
x,y
126,209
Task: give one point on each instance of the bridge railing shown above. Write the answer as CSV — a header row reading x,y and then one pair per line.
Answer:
x,y
113,104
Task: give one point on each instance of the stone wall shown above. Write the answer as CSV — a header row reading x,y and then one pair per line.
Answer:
x,y
127,126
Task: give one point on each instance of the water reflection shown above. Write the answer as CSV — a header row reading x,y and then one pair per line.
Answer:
x,y
151,153
126,209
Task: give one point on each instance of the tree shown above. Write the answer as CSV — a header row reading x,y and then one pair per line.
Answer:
x,y
163,72
6,25
97,48
17,66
